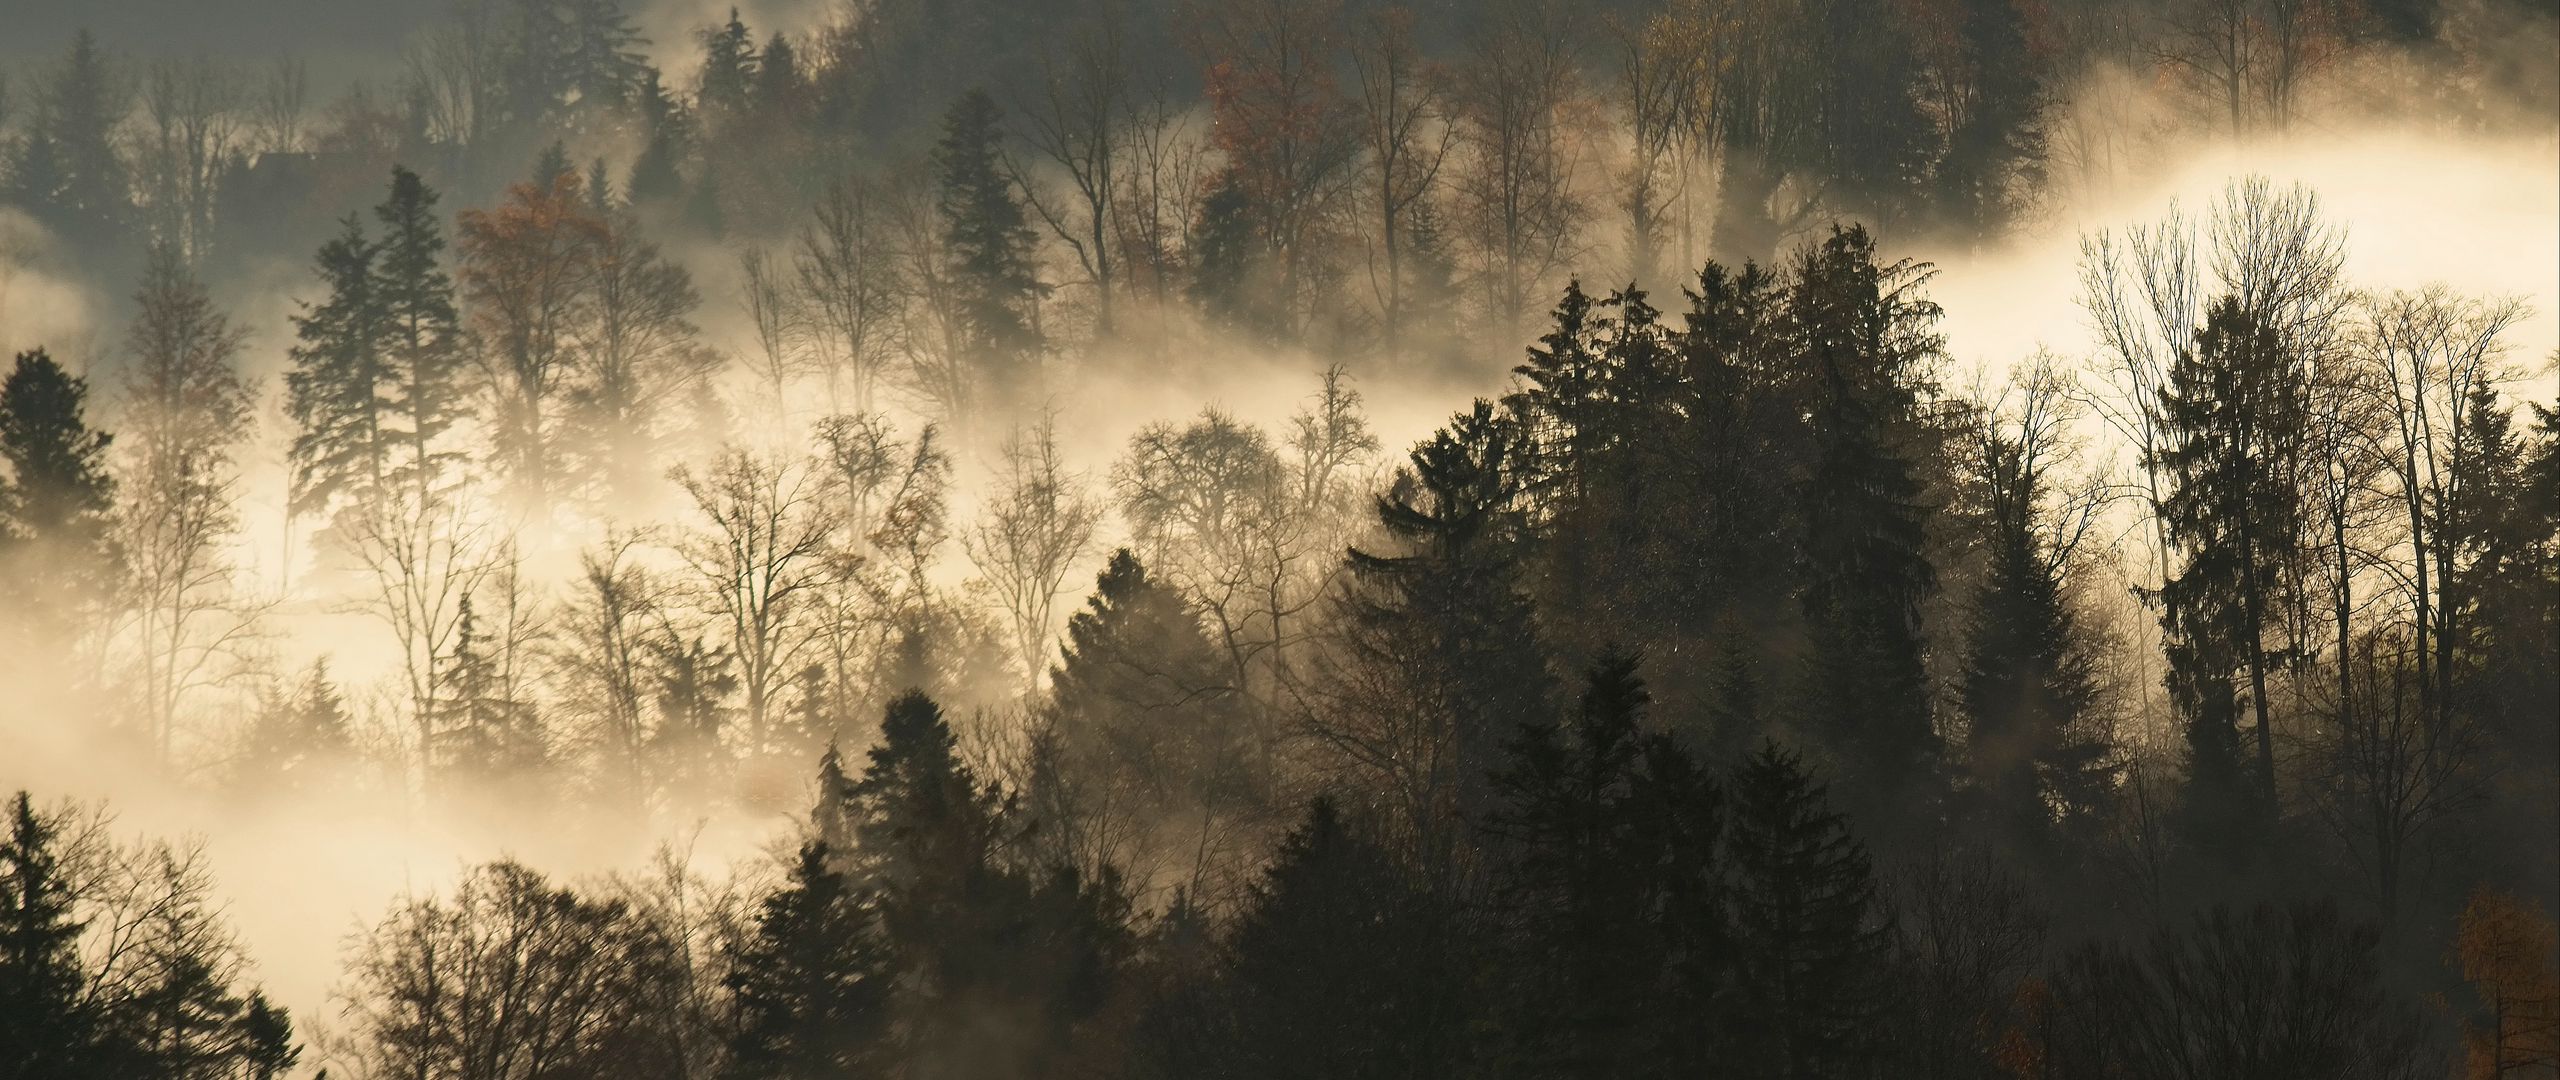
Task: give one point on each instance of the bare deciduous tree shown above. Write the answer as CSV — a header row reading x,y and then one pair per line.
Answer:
x,y
1406,139
848,278
193,113
187,414
755,559
1514,183
424,559
1037,523
1079,123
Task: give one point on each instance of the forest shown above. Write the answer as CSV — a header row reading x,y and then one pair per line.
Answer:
x,y
988,539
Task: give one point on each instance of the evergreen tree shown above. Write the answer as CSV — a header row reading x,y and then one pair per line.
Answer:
x,y
1143,704
297,731
976,940
995,280
48,1027
779,88
2027,683
334,391
653,181
1225,259
1994,155
1873,138
1341,967
1444,617
68,171
728,67
812,984
421,357
2233,415
1608,835
1809,948
56,554
1866,342
480,728
604,67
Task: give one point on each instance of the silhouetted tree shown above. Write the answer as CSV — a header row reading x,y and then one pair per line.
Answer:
x,y
812,984
1810,947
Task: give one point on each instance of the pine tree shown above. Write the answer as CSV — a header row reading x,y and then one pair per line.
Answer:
x,y
334,392
47,1026
56,553
421,358
1809,949
994,279
812,983
264,1037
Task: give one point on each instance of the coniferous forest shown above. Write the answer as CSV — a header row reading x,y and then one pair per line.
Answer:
x,y
989,539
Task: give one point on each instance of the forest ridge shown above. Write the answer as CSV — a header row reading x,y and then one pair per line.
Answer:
x,y
1733,691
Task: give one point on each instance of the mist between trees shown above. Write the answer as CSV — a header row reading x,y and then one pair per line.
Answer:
x,y
817,463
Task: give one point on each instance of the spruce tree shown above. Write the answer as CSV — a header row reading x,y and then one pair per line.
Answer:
x,y
1606,837
56,555
601,53
69,172
653,181
1866,344
1995,145
989,240
1142,703
339,456
980,939
812,982
47,1026
1340,966
2027,683
1443,614
728,66
421,358
1809,948
2233,416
